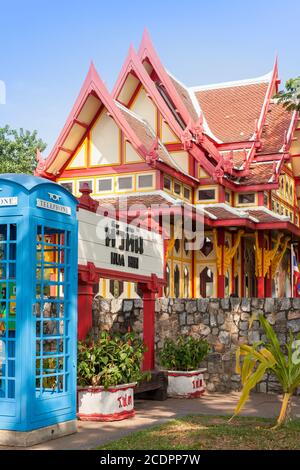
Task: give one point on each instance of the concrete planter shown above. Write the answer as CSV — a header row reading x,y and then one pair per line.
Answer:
x,y
114,404
186,384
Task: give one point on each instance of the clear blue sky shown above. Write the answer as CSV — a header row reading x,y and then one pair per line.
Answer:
x,y
46,47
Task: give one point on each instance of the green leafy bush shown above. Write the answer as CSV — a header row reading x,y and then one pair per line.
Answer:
x,y
113,359
186,353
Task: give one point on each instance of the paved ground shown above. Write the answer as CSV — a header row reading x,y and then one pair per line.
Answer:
x,y
149,413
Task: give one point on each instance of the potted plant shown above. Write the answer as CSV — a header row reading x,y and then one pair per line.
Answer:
x,y
182,358
108,370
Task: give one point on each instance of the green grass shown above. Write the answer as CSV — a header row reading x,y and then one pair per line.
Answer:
x,y
201,432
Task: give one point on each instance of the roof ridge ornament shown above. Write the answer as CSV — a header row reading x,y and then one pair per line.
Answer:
x,y
197,129
41,165
152,154
187,136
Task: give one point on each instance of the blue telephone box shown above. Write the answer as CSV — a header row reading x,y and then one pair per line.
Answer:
x,y
38,303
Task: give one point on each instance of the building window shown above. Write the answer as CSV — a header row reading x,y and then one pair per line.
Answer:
x,y
227,284
273,205
125,183
68,186
207,247
145,181
186,282
177,188
227,197
206,194
266,199
206,283
167,183
85,183
187,193
287,189
247,198
105,184
167,286
177,246
116,288
176,281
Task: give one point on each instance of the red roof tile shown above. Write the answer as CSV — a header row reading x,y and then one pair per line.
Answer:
x,y
263,216
222,213
143,132
185,97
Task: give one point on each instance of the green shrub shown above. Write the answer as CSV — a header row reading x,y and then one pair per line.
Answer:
x,y
186,353
113,359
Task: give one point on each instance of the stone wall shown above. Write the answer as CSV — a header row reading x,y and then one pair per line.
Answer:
x,y
223,322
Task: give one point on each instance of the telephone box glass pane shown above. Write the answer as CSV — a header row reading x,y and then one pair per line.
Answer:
x,y
52,278
8,309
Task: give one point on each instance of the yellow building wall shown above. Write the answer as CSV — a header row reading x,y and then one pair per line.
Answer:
x,y
143,106
105,142
182,160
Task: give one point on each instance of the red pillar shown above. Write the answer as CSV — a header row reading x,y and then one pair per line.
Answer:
x,y
86,281
260,278
149,290
242,279
221,276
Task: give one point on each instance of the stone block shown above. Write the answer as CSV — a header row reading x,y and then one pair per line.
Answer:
x,y
246,305
179,306
127,305
225,304
257,303
213,319
294,315
202,305
191,306
213,307
138,303
283,304
235,304
245,316
269,305
224,337
294,325
296,303
243,325
280,316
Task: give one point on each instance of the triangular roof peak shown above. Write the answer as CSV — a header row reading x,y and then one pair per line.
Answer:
x,y
92,97
147,51
133,64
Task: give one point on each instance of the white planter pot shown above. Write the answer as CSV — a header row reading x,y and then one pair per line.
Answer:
x,y
183,384
98,404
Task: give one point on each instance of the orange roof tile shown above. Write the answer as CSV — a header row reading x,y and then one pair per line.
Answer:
x,y
259,173
276,125
231,111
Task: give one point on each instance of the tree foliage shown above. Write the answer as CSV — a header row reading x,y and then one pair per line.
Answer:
x,y
18,150
290,97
